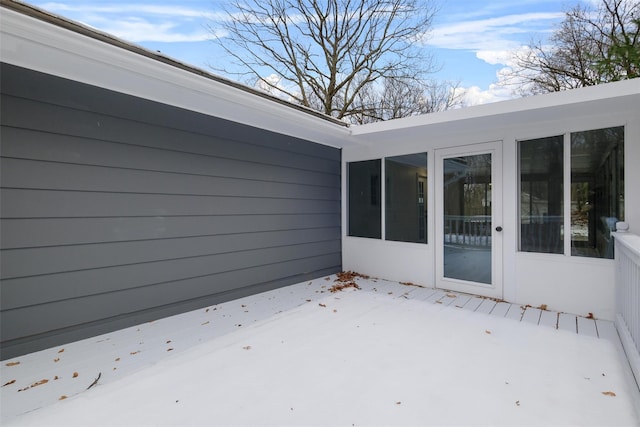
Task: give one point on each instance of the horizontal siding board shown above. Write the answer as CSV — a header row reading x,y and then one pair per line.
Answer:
x,y
66,94
76,332
96,131
118,210
35,290
54,259
65,313
19,203
18,173
102,153
37,232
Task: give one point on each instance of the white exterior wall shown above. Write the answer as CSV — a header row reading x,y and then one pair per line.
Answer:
x,y
564,283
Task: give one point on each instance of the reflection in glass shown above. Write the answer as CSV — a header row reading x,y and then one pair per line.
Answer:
x,y
406,198
364,199
597,190
467,218
541,195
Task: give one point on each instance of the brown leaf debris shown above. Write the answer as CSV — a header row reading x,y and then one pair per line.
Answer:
x,y
12,363
341,286
411,284
9,383
609,393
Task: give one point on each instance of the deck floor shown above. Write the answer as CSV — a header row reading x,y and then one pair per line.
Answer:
x,y
52,381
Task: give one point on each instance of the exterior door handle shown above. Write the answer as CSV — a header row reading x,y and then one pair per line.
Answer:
x,y
498,228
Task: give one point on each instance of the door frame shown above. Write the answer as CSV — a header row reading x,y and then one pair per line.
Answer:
x,y
495,289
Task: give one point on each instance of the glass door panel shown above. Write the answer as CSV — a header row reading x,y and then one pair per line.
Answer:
x,y
467,218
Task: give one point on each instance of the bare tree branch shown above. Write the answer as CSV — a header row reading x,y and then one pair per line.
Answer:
x,y
326,52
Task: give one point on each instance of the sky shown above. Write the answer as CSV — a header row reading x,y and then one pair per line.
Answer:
x,y
472,40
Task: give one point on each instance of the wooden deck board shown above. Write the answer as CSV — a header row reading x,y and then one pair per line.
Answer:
x,y
473,303
607,330
486,306
461,301
449,298
501,309
515,312
436,296
587,327
567,322
549,318
532,315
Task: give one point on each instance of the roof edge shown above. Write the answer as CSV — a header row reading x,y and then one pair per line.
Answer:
x,y
76,27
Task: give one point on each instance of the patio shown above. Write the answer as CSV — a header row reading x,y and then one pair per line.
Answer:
x,y
325,353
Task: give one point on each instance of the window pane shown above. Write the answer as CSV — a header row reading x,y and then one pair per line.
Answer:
x,y
364,199
597,190
406,198
541,195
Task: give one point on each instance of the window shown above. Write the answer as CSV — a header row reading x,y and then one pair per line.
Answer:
x,y
406,198
541,195
364,205
595,198
597,190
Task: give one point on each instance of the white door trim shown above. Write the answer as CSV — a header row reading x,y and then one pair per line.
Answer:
x,y
495,289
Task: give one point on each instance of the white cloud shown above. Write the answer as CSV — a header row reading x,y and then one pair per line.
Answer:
x,y
140,22
490,34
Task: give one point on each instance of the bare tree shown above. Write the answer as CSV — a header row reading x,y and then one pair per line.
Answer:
x,y
588,48
327,53
403,98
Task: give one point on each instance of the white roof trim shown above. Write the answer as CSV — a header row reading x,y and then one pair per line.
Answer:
x,y
43,46
556,99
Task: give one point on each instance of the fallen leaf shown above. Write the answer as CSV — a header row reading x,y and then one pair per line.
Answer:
x,y
398,403
487,332
452,295
57,359
56,378
411,284
205,323
75,375
590,316
339,287
169,349
12,363
9,383
63,397
543,307
37,383
134,352
335,311
247,347
168,341
308,300
517,402
609,393
322,305
117,359
61,350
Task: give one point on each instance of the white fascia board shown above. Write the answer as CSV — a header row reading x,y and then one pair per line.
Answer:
x,y
41,46
608,91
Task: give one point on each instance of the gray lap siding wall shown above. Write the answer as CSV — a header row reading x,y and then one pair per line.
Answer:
x,y
115,210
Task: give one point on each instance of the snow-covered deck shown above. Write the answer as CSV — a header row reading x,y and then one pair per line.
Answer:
x,y
385,354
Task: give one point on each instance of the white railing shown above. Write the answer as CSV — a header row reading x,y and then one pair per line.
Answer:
x,y
627,259
467,230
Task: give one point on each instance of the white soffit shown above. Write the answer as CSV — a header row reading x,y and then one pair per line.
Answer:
x,y
43,46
